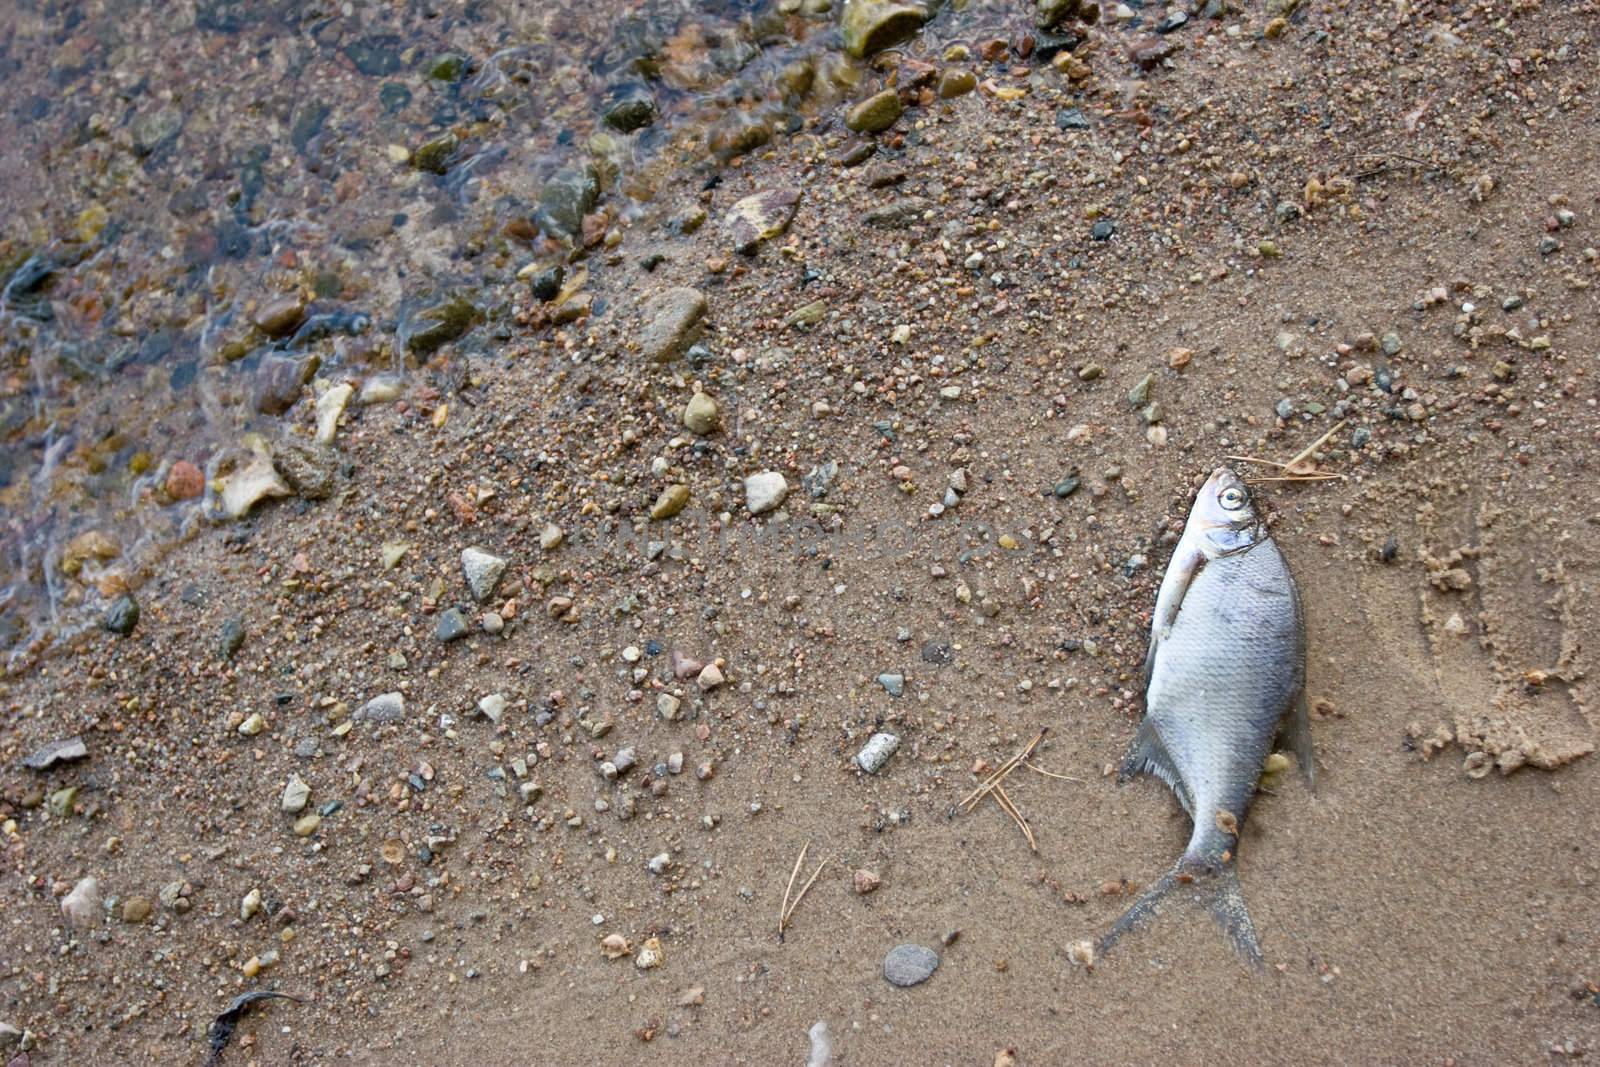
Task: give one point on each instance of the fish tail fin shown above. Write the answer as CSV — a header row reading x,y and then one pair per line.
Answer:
x,y
1213,886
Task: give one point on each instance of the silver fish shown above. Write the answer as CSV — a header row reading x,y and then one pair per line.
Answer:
x,y
1225,673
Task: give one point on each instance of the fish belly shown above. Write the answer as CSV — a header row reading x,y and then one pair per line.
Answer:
x,y
1222,680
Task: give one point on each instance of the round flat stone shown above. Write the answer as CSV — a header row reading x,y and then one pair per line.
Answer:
x,y
909,965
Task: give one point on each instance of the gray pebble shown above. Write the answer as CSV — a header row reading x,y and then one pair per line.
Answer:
x,y
123,615
893,684
387,707
909,965
876,752
452,625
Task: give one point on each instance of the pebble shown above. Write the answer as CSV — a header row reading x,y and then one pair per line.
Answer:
x,y
893,684
874,114
876,752
710,677
545,285
295,795
551,536
956,82
63,751
250,484
870,26
253,724
307,825
909,965
865,881
82,905
278,317
331,405
1139,395
1067,486
1070,118
379,389
897,214
631,108
1090,371
820,478
482,570
672,323
761,217
1103,230
452,625
568,195
659,863
122,616
493,707
700,414
668,707
672,500
650,955
387,707
821,1051
765,491
185,481
1390,344
250,904
231,638
137,909
1285,408
684,666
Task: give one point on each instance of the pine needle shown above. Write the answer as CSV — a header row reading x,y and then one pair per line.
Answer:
x,y
1050,774
1011,810
783,910
971,800
786,912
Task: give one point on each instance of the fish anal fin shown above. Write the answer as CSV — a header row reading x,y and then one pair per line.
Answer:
x,y
1215,888
1149,755
1294,733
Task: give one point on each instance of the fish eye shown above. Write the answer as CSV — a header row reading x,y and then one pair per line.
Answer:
x,y
1232,498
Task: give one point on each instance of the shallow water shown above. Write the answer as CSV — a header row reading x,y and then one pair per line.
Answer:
x,y
174,172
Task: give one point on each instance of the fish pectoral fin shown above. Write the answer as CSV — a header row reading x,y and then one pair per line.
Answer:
x,y
1294,733
1149,755
1150,661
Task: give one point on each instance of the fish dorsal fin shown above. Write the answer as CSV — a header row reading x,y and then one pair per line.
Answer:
x,y
1149,756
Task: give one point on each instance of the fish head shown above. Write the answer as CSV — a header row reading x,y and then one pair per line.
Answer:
x,y
1224,519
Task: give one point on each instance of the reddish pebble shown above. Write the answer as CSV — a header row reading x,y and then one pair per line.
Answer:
x,y
184,481
685,666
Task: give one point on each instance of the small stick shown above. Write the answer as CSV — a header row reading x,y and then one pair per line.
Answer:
x,y
1314,445
994,780
1011,810
1301,478
1257,459
1051,774
783,910
806,888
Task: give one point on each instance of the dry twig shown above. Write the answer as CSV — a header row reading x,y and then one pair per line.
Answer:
x,y
786,911
1301,468
1011,810
1050,774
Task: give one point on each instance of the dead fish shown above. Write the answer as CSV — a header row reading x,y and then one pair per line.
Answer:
x,y
1224,675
